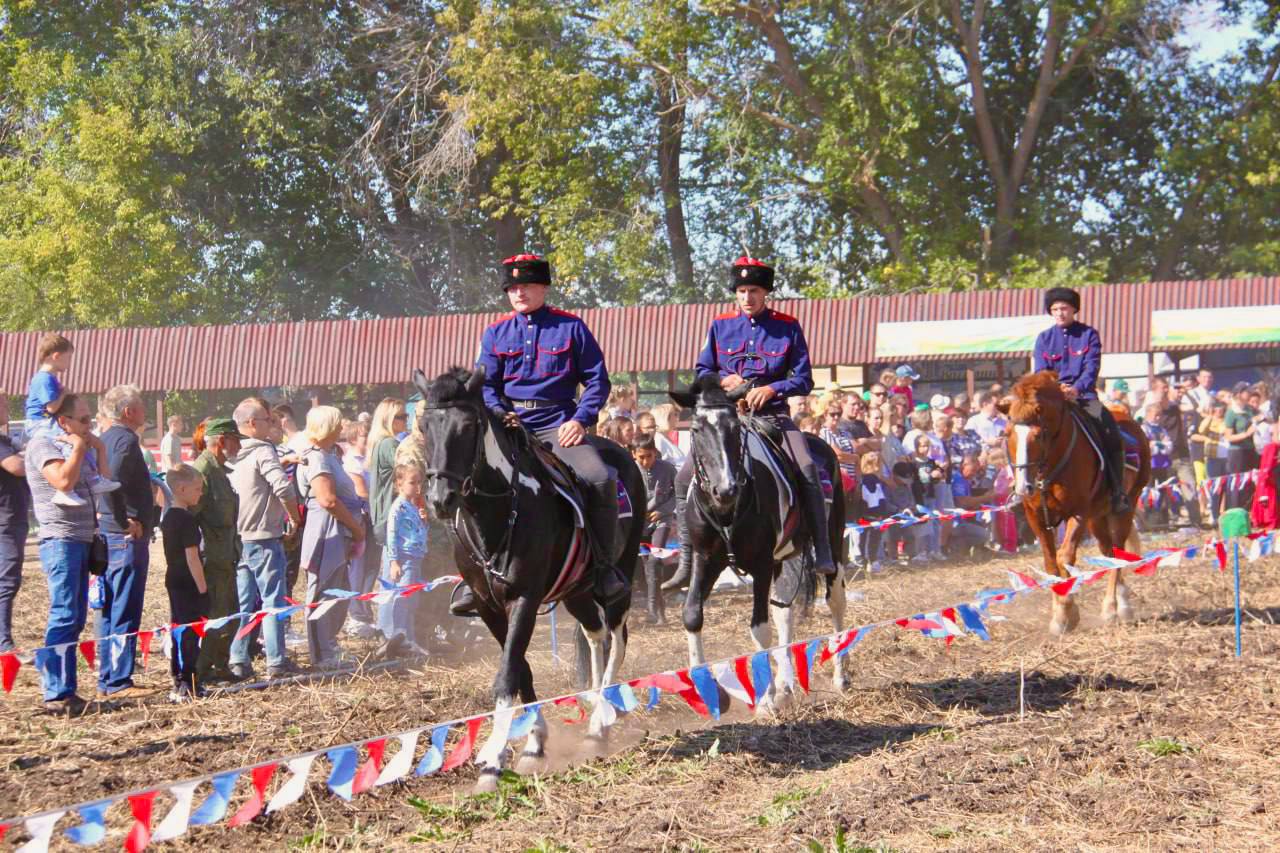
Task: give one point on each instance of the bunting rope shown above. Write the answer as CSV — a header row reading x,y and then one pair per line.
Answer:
x,y
10,663
745,677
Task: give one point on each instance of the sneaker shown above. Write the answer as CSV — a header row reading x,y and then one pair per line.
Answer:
x,y
341,660
72,706
288,669
361,630
181,695
68,499
241,671
937,556
103,486
920,558
875,568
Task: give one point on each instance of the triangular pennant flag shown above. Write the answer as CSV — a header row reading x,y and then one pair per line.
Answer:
x,y
9,666
761,674
402,762
572,702
1065,587
340,593
524,724
199,627
295,786
689,694
144,643
40,828
176,632
620,697
728,679
260,776
368,772
88,648
742,669
1021,582
214,808
246,628
214,625
708,690
343,774
812,650
140,833
602,713
93,825
179,817
322,608
801,660
973,621
435,752
462,749
1221,549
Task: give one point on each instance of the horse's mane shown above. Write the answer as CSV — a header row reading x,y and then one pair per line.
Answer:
x,y
1033,389
708,391
448,387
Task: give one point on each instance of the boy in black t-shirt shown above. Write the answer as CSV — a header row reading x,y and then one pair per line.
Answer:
x,y
184,577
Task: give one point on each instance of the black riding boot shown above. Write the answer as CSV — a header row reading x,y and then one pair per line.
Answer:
x,y
815,506
685,566
1115,478
657,614
611,584
463,602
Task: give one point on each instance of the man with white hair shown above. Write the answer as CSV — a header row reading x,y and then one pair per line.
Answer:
x,y
127,520
267,498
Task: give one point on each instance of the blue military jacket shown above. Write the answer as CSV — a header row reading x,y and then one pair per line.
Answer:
x,y
544,356
1075,352
769,348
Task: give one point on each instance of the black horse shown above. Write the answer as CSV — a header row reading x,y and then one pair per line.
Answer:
x,y
732,513
519,544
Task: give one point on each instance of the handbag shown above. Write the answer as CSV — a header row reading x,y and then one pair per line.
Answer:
x,y
98,557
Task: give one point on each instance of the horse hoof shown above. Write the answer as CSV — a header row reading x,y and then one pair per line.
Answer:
x,y
1059,628
488,781
530,763
1126,615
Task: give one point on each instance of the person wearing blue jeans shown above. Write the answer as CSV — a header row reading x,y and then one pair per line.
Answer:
x,y
66,532
260,580
128,517
15,501
267,500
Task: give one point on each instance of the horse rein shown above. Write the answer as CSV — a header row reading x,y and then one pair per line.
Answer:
x,y
1041,484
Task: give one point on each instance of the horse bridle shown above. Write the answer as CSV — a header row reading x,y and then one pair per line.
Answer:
x,y
1042,483
702,480
467,488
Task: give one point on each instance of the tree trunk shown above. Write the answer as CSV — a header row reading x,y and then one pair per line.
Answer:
x,y
670,145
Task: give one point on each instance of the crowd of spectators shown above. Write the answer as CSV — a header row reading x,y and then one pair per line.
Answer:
x,y
266,500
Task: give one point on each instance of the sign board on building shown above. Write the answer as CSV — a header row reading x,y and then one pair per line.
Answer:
x,y
959,337
1195,327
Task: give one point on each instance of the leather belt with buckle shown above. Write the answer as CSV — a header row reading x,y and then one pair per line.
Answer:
x,y
533,404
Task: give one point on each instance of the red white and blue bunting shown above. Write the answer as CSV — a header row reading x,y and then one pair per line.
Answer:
x,y
359,766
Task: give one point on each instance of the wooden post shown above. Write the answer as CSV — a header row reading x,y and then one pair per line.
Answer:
x,y
671,380
970,383
161,428
1151,369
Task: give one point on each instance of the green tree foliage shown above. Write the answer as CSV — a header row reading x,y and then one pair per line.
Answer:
x,y
172,161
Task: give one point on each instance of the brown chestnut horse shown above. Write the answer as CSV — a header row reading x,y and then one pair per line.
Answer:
x,y
1059,477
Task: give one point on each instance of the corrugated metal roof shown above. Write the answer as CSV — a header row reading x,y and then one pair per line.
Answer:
x,y
641,338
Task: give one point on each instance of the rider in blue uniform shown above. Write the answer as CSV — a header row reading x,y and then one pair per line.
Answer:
x,y
756,343
1074,350
534,360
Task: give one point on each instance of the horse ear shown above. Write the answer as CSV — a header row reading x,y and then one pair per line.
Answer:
x,y
476,380
420,382
687,401
1004,405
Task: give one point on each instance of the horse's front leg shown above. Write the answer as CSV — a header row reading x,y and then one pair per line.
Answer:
x,y
836,603
761,636
1065,613
701,579
783,621
535,748
506,686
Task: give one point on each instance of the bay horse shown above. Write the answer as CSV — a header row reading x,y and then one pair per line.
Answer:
x,y
1058,474
519,545
733,501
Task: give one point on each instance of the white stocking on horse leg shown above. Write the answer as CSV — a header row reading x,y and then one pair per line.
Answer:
x,y
786,675
761,636
492,756
697,655
1066,615
836,602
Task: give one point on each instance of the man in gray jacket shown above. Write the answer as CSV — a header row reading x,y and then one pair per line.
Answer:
x,y
267,499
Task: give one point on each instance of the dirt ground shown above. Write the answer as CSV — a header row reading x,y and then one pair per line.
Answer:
x,y
1150,737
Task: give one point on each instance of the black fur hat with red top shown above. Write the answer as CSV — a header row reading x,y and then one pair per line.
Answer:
x,y
747,270
525,269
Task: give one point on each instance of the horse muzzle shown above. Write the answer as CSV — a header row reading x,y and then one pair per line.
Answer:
x,y
443,498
